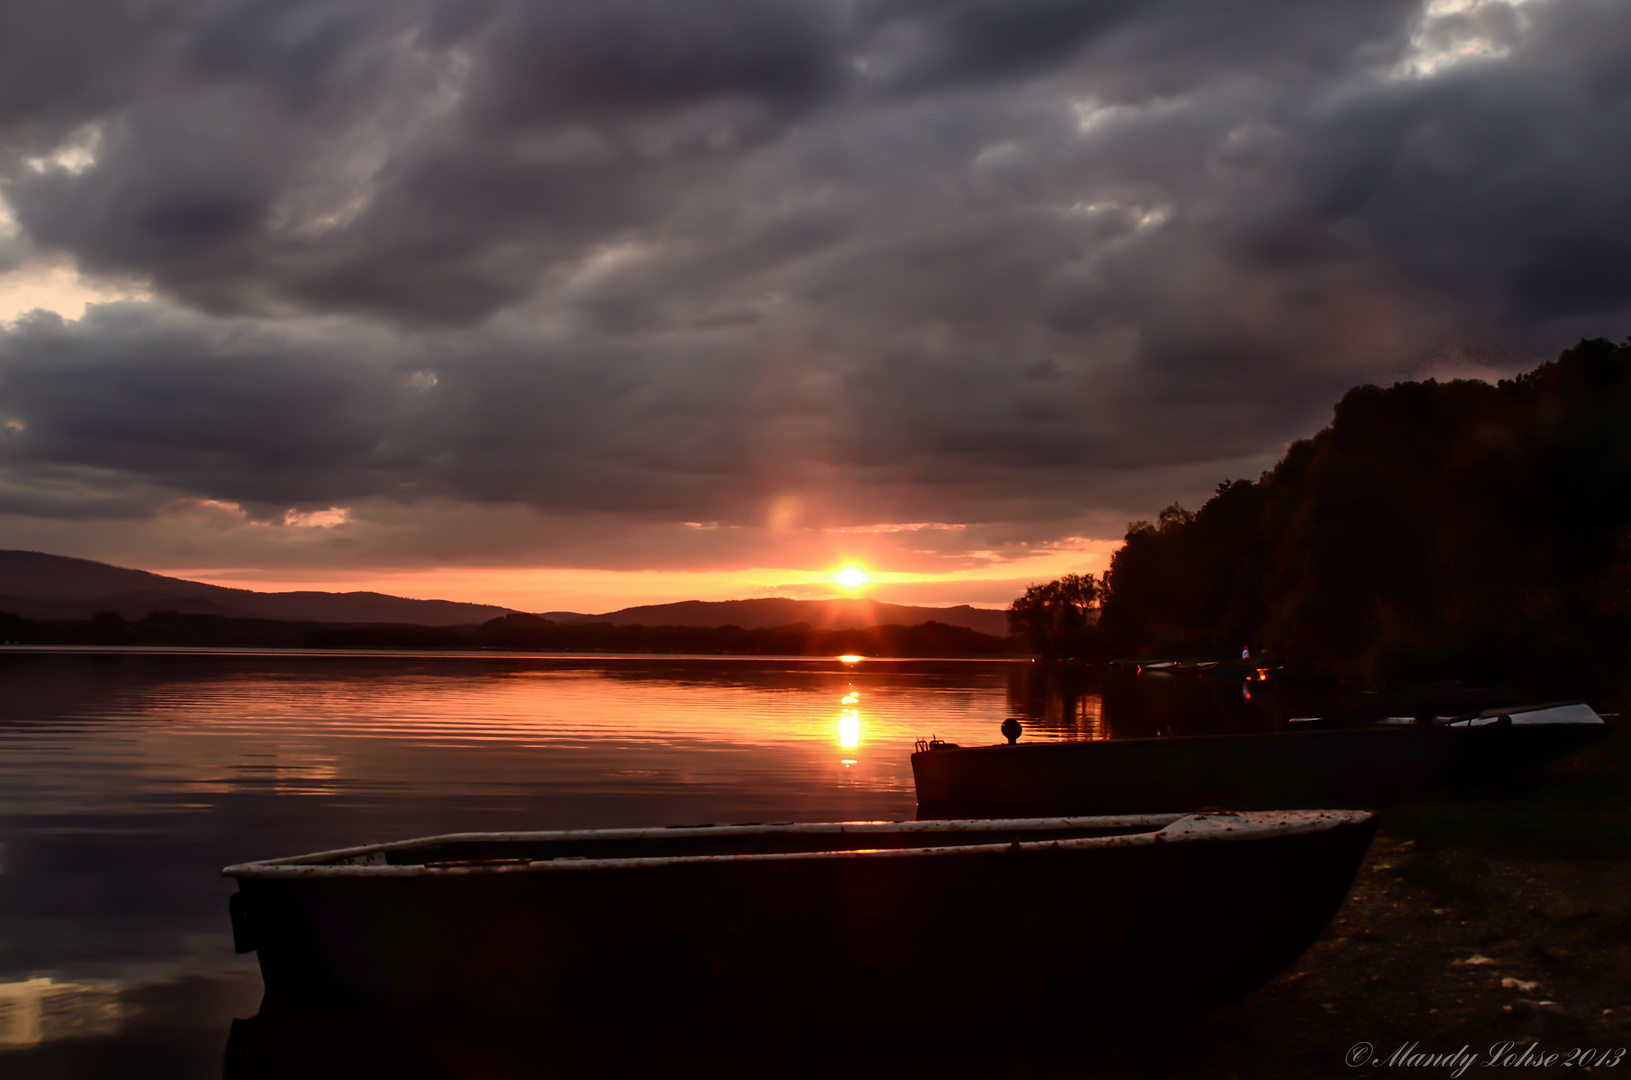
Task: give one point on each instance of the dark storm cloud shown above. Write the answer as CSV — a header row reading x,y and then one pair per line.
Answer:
x,y
960,261
263,419
918,44
540,62
64,63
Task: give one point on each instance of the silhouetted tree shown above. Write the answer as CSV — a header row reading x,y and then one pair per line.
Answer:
x,y
1053,617
1433,530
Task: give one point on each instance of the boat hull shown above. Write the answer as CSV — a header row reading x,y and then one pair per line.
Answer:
x,y
975,934
1349,767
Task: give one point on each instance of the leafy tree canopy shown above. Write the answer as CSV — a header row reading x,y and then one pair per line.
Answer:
x,y
1050,617
1433,530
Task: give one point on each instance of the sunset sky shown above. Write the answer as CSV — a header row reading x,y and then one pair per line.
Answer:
x,y
577,304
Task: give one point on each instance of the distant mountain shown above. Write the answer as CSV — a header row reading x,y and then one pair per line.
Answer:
x,y
35,585
775,611
39,586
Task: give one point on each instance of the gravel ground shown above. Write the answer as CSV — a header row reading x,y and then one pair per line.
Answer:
x,y
1442,949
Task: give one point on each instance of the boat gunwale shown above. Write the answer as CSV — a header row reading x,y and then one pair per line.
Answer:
x,y
1205,825
1451,724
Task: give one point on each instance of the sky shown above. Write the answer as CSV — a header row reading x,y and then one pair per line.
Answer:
x,y
576,304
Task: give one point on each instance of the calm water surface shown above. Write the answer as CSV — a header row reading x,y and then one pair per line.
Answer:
x,y
127,780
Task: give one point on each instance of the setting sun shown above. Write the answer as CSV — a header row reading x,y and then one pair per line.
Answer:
x,y
851,577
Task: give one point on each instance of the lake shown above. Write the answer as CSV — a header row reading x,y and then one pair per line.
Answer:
x,y
127,780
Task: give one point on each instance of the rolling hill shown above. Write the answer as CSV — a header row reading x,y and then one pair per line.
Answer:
x,y
35,585
775,611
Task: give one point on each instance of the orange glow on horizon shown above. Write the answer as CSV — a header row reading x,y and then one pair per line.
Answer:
x,y
991,584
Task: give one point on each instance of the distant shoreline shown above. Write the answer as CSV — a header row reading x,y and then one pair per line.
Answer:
x,y
511,633
10,649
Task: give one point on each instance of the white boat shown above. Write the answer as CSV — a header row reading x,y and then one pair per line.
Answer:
x,y
877,922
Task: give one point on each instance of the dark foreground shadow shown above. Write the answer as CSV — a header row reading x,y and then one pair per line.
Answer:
x,y
291,1040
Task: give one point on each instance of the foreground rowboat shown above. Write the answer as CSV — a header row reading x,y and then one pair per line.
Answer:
x,y
1340,766
944,919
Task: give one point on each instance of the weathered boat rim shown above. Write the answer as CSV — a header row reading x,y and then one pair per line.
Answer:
x,y
1223,825
1385,728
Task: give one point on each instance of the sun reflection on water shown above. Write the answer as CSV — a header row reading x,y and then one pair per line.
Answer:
x,y
40,1010
849,721
664,734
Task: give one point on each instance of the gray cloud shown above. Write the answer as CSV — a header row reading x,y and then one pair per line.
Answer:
x,y
1032,265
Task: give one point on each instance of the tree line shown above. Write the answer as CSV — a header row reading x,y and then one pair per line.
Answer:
x,y
1433,531
528,633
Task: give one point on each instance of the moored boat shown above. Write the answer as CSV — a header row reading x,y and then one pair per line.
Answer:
x,y
965,921
1309,765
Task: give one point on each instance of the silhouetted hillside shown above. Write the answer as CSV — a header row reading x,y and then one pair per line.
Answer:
x,y
798,639
508,633
40,586
35,585
775,611
1434,530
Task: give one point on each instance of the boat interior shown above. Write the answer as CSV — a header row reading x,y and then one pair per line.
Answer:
x,y
726,840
